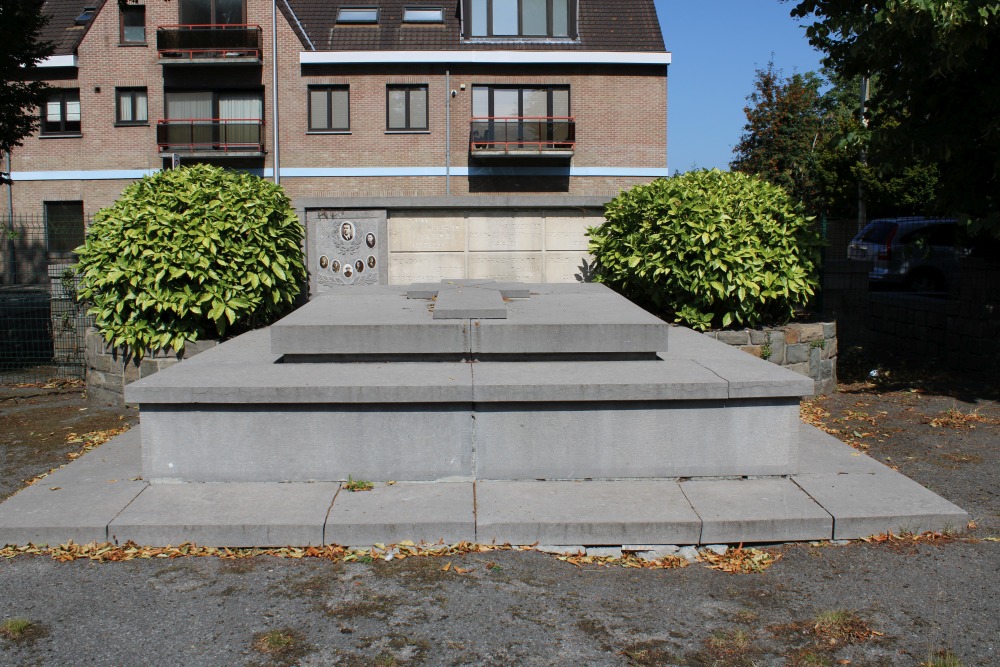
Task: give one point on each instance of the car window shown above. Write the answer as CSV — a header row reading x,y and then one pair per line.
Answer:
x,y
939,235
879,231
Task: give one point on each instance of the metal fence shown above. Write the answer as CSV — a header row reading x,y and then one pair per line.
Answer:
x,y
42,326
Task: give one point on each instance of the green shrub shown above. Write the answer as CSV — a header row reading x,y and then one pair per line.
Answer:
x,y
191,253
709,249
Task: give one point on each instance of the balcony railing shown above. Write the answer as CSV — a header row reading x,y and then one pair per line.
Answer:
x,y
523,135
216,135
184,43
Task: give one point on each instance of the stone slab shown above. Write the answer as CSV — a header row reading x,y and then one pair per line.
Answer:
x,y
820,452
654,380
470,303
748,376
392,514
587,513
411,267
568,267
345,322
294,442
756,510
865,504
80,512
227,515
426,231
631,440
118,460
500,230
520,266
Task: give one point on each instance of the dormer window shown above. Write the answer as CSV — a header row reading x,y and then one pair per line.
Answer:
x,y
85,15
357,15
423,15
519,18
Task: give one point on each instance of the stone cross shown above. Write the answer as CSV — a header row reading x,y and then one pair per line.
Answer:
x,y
468,299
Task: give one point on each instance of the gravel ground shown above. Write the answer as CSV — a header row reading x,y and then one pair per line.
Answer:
x,y
890,603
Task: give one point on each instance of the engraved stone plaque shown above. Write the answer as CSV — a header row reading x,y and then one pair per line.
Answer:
x,y
346,248
568,230
426,231
416,267
504,230
519,266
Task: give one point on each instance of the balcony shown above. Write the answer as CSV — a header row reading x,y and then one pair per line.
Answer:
x,y
523,136
211,137
209,44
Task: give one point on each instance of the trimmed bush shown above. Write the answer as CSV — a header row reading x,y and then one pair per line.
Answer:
x,y
709,249
191,253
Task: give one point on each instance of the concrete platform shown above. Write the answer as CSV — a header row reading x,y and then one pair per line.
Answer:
x,y
838,494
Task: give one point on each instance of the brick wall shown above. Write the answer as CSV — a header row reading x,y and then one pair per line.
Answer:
x,y
620,114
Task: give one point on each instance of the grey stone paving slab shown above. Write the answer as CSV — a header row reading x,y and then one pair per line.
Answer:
x,y
748,376
119,459
236,443
676,379
756,510
820,452
588,513
346,323
79,511
227,515
270,383
392,514
865,504
595,321
469,303
629,440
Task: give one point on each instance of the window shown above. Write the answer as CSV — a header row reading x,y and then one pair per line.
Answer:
x,y
62,112
519,18
133,24
131,106
406,107
85,15
63,225
211,12
423,15
329,109
357,15
212,120
535,115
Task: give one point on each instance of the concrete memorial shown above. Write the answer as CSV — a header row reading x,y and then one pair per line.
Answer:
x,y
558,414
346,248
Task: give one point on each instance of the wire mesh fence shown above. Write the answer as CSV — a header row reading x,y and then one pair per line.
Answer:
x,y
42,326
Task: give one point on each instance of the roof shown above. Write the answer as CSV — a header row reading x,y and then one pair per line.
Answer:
x,y
604,25
62,29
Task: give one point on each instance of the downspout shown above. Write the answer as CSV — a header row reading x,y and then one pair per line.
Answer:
x,y
447,133
10,224
274,90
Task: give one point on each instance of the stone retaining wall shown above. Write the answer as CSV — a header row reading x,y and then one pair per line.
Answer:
x,y
809,349
108,372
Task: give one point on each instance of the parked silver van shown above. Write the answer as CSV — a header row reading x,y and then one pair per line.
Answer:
x,y
915,253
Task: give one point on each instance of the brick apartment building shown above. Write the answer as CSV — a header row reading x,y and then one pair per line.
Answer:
x,y
462,138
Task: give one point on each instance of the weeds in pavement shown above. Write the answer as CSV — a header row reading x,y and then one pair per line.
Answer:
x,y
358,484
21,630
943,658
842,627
284,647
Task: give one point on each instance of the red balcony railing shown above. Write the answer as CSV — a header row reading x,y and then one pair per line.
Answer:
x,y
194,42
522,134
223,135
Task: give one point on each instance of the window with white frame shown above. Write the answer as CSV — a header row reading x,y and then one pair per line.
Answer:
x,y
406,107
423,15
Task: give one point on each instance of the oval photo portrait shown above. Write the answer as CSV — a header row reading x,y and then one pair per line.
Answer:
x,y
348,271
335,266
359,266
370,240
347,231
371,261
324,262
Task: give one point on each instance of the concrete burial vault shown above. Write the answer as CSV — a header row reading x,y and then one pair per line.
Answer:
x,y
521,413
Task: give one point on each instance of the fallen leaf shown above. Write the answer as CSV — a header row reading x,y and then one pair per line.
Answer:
x,y
446,567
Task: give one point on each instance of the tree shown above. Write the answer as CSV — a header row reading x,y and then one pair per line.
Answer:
x,y
784,121
21,22
811,144
938,99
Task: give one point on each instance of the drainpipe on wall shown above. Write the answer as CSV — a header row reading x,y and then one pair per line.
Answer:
x,y
447,133
10,224
274,90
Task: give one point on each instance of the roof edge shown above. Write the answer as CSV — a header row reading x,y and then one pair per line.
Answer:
x,y
506,57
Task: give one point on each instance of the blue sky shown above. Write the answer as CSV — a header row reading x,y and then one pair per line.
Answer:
x,y
716,46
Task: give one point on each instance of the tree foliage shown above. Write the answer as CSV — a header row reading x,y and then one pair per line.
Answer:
x,y
811,143
189,253
709,249
937,63
21,23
